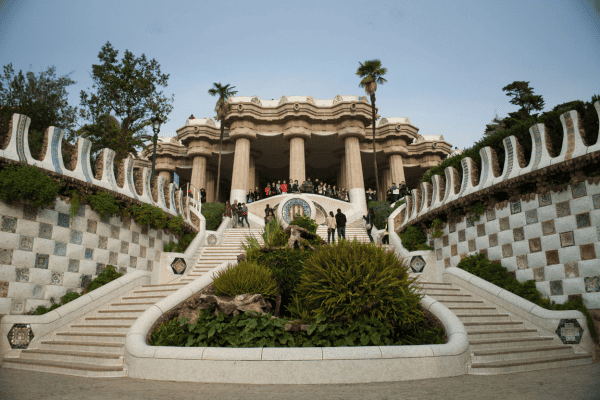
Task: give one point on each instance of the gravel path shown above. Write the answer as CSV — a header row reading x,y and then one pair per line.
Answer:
x,y
580,383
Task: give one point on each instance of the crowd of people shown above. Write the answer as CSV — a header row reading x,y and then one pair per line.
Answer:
x,y
274,189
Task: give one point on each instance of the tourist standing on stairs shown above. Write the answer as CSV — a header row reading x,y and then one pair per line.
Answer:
x,y
369,218
331,225
244,215
234,214
228,209
284,188
340,222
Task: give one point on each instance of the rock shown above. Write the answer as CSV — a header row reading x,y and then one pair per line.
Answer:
x,y
296,232
241,257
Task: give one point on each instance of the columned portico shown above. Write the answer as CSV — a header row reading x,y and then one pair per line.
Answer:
x,y
240,179
397,169
297,133
351,132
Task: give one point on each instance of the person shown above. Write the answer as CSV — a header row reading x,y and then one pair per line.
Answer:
x,y
340,222
278,186
321,189
284,188
203,195
234,214
256,194
244,215
273,190
250,196
309,187
328,191
295,187
267,191
331,225
228,209
334,193
395,191
269,216
389,195
369,195
404,189
267,210
369,218
304,187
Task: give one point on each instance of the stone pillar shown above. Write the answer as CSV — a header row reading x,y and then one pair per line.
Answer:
x,y
210,186
397,169
241,132
251,174
342,179
199,173
351,131
386,182
297,162
167,175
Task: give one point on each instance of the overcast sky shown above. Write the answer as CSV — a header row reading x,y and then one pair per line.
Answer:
x,y
447,61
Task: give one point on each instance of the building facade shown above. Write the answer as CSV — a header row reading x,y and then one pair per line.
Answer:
x,y
297,137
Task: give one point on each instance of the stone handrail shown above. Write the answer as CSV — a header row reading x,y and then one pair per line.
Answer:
x,y
126,184
45,324
309,365
547,320
452,192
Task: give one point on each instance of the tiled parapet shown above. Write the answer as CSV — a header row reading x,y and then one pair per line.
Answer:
x,y
540,142
438,191
513,159
426,189
470,178
452,185
595,146
573,141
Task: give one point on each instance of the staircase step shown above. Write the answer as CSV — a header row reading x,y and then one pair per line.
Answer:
x,y
501,333
486,356
152,296
533,364
483,317
468,309
110,320
157,290
451,297
121,312
476,326
131,304
510,343
93,347
66,368
107,328
73,356
90,337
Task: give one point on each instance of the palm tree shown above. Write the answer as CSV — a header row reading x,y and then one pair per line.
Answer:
x,y
372,74
222,107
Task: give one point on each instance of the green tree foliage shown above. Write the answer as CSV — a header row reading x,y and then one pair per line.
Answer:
x,y
129,90
414,239
104,204
42,97
382,210
108,275
522,96
213,213
25,183
306,223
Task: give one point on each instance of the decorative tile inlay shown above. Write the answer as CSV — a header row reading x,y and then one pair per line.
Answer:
x,y
112,258
135,237
41,261
507,250
531,217
509,162
452,228
123,270
535,245
212,240
19,336
493,239
485,165
85,156
461,235
538,274
144,229
445,241
150,265
6,256
588,252
556,288
592,284
60,249
54,149
470,223
522,262
3,289
85,281
454,250
92,226
132,262
490,215
552,257
57,278
22,274
76,236
21,138
29,212
570,135
114,231
63,220
598,232
569,331
504,224
480,230
596,199
100,267
571,270
518,234
417,264
567,239
18,306
583,220
563,209
73,265
548,227
515,207
151,242
178,265
26,243
45,231
127,222
472,245
89,254
545,200
465,179
102,242
142,251
538,146
579,190
447,263
9,224
124,247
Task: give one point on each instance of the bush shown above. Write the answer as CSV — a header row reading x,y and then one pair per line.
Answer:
x,y
28,184
274,235
149,215
350,279
382,210
495,273
180,247
246,277
104,204
213,213
108,275
414,239
67,298
306,223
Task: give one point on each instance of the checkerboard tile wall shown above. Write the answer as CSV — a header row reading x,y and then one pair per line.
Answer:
x,y
553,239
45,254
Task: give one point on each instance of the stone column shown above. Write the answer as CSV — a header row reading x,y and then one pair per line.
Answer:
x,y
241,133
342,180
386,182
351,132
210,186
251,173
297,162
198,173
167,175
397,169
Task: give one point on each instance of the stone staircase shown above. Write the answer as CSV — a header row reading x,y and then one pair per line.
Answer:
x,y
92,345
230,248
351,233
499,342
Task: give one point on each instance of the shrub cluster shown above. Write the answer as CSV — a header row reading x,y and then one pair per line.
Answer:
x,y
306,223
383,210
246,277
414,239
25,183
213,213
495,273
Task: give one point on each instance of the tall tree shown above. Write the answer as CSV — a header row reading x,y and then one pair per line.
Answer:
x,y
496,124
222,108
522,96
129,91
43,98
372,74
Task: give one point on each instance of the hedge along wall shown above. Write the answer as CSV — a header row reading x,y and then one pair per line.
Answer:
x,y
45,254
552,236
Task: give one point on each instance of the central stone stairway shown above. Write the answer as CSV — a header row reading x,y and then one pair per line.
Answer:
x,y
499,342
92,345
230,248
352,233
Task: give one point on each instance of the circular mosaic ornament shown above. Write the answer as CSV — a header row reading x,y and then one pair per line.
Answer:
x,y
295,202
212,240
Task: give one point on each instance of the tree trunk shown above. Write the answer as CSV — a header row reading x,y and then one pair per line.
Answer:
x,y
154,139
374,154
217,197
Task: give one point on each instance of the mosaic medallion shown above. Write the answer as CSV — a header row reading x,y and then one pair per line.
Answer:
x,y
212,240
417,264
569,331
20,335
178,265
292,203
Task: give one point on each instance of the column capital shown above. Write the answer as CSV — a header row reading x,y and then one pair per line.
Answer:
x,y
296,131
199,148
242,132
392,150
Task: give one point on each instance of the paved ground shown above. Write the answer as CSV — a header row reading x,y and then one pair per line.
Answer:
x,y
580,383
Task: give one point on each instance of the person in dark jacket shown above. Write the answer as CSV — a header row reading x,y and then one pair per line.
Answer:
x,y
256,194
340,221
369,218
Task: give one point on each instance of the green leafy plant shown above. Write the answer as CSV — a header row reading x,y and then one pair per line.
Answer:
x,y
75,203
436,224
104,204
495,273
477,210
382,210
213,213
25,183
108,275
414,239
274,235
180,247
350,279
306,223
246,277
67,298
149,215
